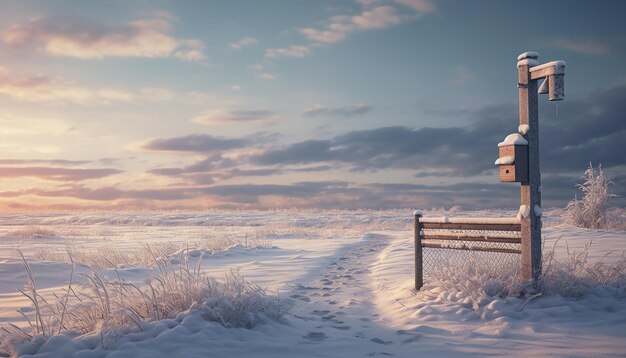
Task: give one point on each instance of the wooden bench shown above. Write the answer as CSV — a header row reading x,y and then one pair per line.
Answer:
x,y
470,234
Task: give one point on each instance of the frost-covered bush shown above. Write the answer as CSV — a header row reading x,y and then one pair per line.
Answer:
x,y
576,275
590,211
476,281
106,306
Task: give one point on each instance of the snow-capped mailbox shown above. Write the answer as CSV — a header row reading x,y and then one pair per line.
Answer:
x,y
513,158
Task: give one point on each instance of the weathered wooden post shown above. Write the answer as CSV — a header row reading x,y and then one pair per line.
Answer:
x,y
529,72
419,264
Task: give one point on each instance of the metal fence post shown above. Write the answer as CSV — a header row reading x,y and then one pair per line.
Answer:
x,y
419,264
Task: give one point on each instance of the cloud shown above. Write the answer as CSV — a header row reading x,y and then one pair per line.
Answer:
x,y
244,42
261,72
345,112
221,116
291,51
190,55
40,88
205,178
585,46
462,76
372,16
194,143
56,174
587,129
63,162
420,6
254,190
157,94
75,37
377,18
211,163
590,128
340,27
108,193
387,147
13,126
266,76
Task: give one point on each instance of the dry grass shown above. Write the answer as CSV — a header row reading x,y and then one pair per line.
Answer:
x,y
576,275
572,277
107,255
102,305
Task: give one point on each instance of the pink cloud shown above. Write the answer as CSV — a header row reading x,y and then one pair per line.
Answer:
x,y
88,40
372,16
292,51
56,174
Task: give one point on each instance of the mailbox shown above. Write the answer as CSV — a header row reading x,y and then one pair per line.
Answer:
x,y
513,158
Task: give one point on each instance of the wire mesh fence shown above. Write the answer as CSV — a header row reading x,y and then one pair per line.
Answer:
x,y
440,255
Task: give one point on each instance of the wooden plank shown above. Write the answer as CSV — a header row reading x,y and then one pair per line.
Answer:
x,y
481,249
547,69
468,220
492,227
486,238
541,73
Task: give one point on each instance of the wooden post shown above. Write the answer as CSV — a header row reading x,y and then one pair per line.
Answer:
x,y
531,190
419,263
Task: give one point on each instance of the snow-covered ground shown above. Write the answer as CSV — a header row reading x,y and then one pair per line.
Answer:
x,y
344,277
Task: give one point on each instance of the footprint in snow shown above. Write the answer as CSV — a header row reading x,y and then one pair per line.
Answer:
x,y
301,297
380,341
316,336
412,339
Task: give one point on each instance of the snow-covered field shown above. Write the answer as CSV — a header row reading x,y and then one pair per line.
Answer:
x,y
343,279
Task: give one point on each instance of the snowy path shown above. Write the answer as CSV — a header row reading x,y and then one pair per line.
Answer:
x,y
338,305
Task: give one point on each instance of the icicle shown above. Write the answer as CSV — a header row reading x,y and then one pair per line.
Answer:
x,y
556,106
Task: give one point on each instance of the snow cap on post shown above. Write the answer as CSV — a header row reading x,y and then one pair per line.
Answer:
x,y
417,213
529,58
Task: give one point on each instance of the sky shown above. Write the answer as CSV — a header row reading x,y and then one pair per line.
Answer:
x,y
192,105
